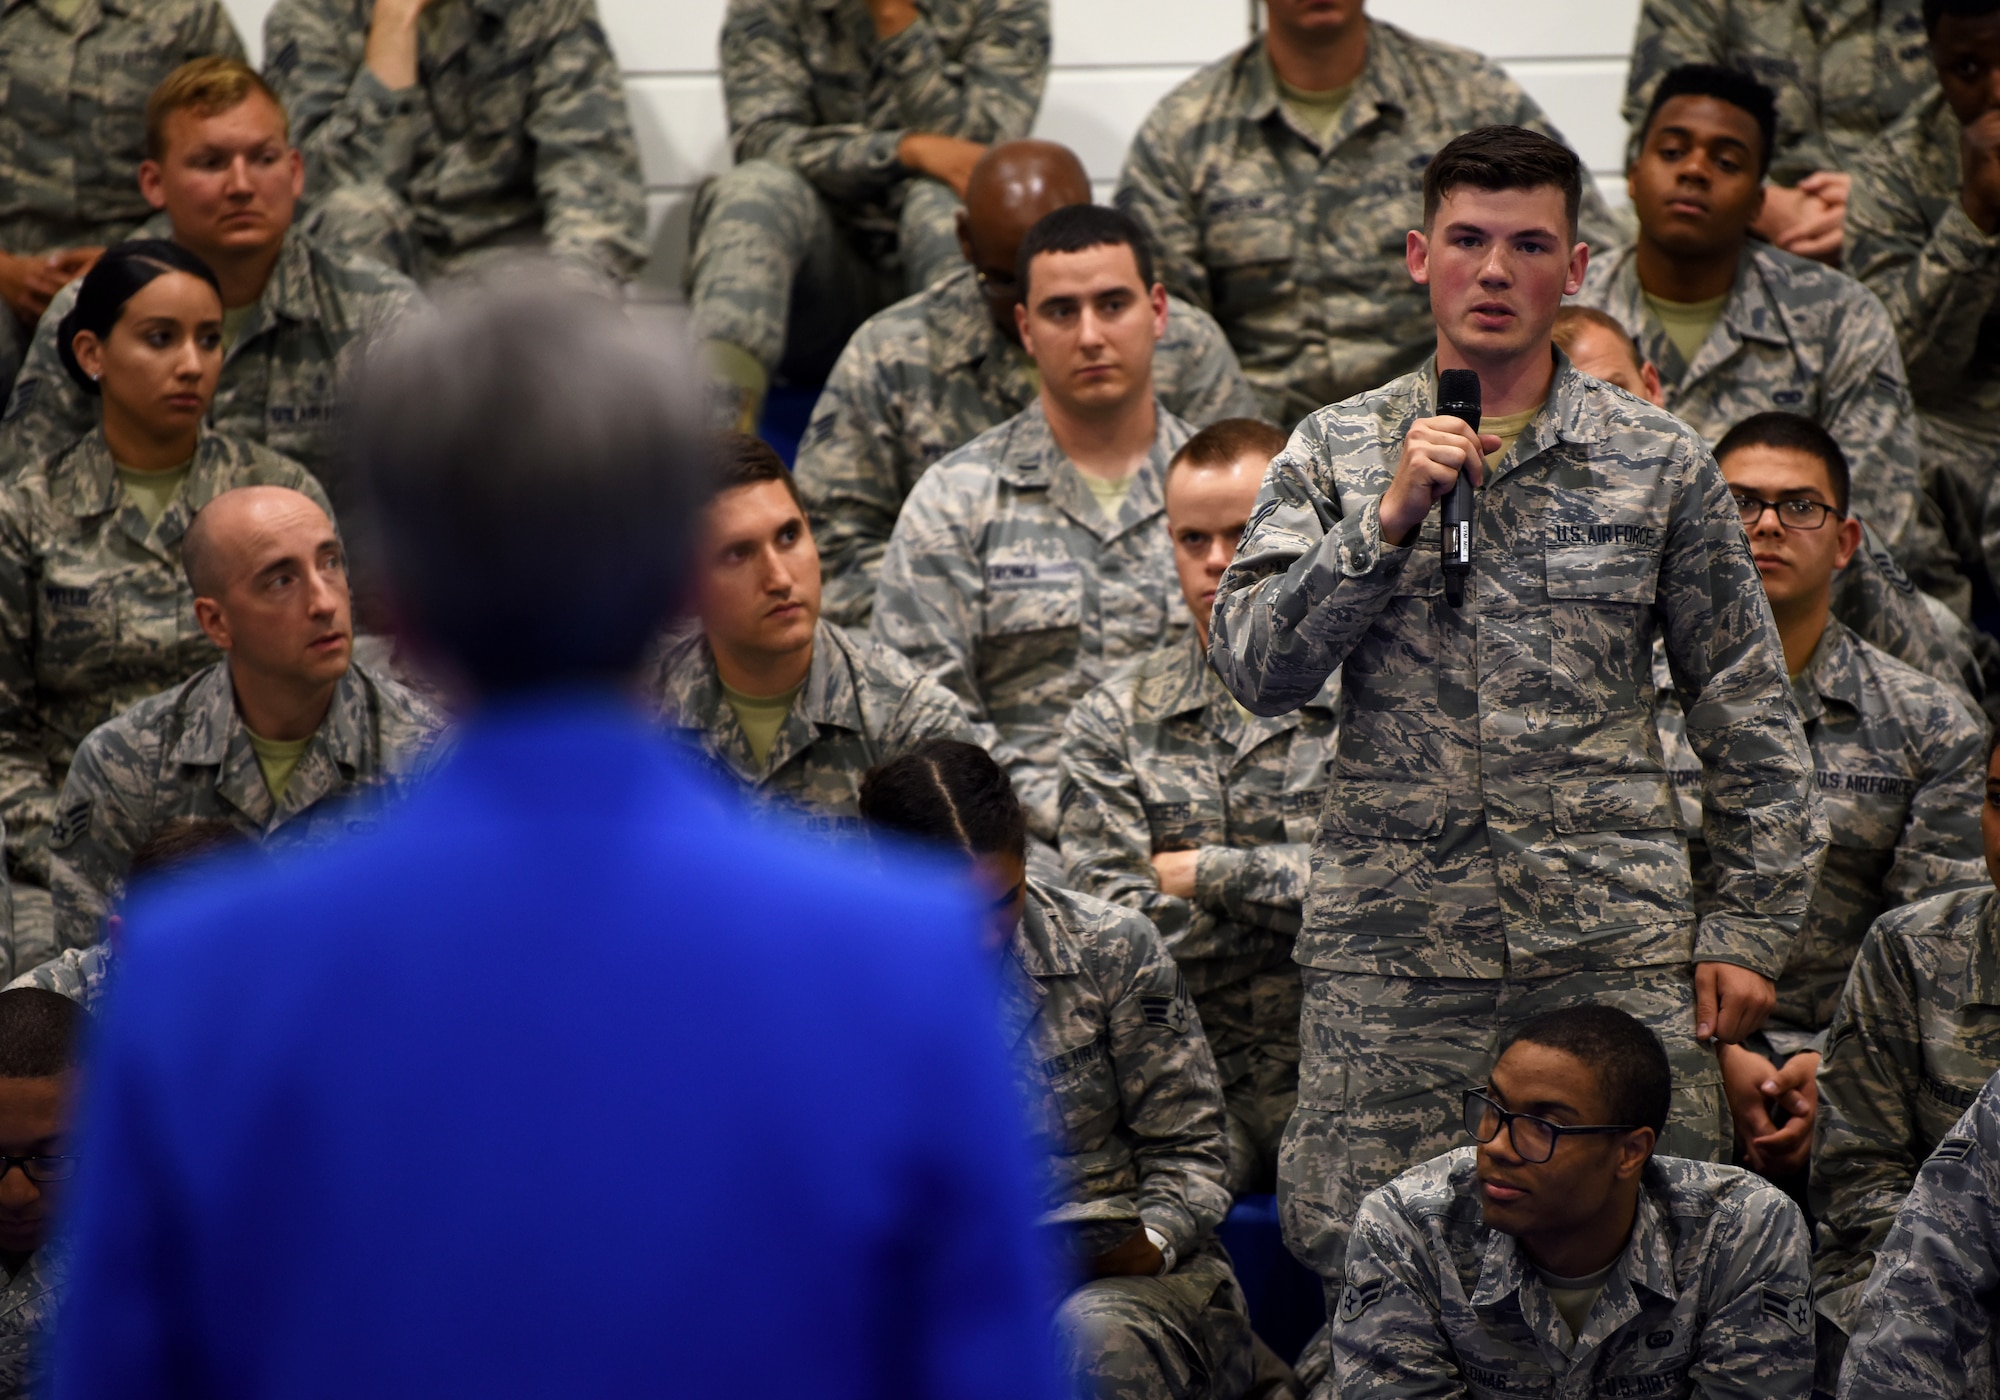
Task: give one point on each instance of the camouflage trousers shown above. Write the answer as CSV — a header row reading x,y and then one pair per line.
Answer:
x,y
1182,1337
775,273
1249,1008
369,220
1384,1062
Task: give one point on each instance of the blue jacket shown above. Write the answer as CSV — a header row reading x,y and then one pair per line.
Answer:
x,y
568,1081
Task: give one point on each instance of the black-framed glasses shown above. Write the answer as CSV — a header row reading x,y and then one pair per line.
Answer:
x,y
1795,513
1534,1138
40,1168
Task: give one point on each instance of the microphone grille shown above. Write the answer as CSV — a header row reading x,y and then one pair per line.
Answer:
x,y
1458,386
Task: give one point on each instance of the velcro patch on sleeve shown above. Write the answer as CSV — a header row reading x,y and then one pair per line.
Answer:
x,y
1792,1309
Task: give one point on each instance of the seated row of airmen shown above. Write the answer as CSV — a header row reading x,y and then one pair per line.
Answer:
x,y
1010,474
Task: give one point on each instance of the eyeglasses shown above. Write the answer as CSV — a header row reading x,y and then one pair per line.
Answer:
x,y
1534,1138
40,1168
1794,514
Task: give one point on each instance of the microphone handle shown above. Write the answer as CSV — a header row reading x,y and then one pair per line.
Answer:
x,y
1455,509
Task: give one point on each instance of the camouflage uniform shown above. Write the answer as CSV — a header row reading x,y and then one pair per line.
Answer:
x,y
1298,252
1916,1035
185,753
95,614
1122,1096
1926,1325
927,376
1913,246
29,1303
1160,758
1005,580
73,121
78,973
1710,1298
1500,832
280,382
515,131
1842,70
1900,763
1800,337
1882,605
862,705
817,106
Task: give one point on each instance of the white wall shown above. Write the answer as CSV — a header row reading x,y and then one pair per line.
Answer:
x,y
1113,60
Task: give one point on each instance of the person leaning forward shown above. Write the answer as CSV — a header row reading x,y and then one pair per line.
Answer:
x,y
1500,830
1276,185
285,736
785,705
937,369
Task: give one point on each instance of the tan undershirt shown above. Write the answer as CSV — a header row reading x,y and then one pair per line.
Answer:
x,y
233,323
1317,112
65,11
1687,323
1507,427
1110,491
152,492
1575,1297
279,758
760,717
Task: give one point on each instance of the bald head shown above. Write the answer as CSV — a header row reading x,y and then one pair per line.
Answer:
x,y
1014,184
239,527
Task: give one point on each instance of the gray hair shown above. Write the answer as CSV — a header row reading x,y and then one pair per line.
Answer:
x,y
532,464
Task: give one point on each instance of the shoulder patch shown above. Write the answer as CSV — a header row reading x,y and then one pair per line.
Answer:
x,y
1358,1298
1174,1013
1792,1309
70,824
284,60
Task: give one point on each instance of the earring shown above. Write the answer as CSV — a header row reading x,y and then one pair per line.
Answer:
x,y
93,378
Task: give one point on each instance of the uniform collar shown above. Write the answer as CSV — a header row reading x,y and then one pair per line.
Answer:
x,y
1044,944
1566,414
1029,459
1982,958
1382,88
1752,313
1833,673
291,294
90,477
694,701
212,736
962,335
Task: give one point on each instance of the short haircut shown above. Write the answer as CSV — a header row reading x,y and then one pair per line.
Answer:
x,y
41,1033
1798,434
115,279
1225,441
1075,227
179,841
1504,158
947,793
1935,10
1571,320
530,463
744,460
1731,85
1630,1063
207,87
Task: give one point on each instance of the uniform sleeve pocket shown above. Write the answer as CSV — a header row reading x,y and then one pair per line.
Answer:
x,y
1387,810
1642,803
1616,571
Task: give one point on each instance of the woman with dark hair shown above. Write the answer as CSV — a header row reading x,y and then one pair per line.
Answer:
x,y
1123,1094
94,610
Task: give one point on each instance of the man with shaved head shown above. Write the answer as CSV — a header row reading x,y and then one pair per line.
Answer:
x,y
931,373
283,737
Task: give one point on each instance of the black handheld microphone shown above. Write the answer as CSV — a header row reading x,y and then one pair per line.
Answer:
x,y
1458,397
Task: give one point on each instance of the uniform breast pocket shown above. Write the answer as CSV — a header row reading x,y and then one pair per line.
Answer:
x,y
77,630
1249,259
1600,650
1178,822
1626,853
1032,629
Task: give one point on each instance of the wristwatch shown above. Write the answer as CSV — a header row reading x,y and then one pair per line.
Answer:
x,y
1166,1248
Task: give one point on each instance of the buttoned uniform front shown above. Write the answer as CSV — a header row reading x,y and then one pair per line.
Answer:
x,y
1911,243
818,106
30,1302
95,613
185,753
1297,249
1122,1097
73,87
1916,1035
861,704
1841,70
280,384
1800,338
515,132
1161,758
1709,1298
1006,581
1900,764
1926,1325
928,375
1499,814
